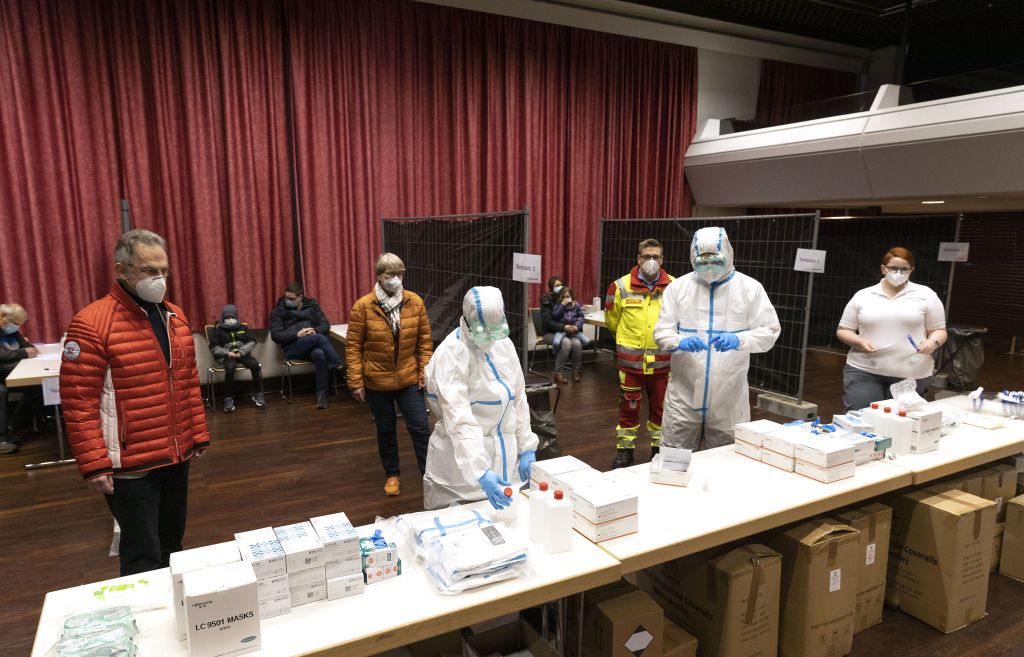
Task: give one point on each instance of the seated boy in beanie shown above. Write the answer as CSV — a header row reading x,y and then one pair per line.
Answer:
x,y
232,345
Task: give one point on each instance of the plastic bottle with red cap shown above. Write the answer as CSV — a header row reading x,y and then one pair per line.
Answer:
x,y
510,512
558,518
538,524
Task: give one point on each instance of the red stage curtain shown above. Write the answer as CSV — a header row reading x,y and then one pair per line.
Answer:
x,y
409,109
784,87
58,163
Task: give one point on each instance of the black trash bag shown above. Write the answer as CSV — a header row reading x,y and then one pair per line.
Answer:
x,y
962,356
542,420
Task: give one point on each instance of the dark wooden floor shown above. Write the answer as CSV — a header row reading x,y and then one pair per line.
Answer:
x,y
290,462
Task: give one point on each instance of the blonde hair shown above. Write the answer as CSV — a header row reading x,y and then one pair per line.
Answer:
x,y
14,313
388,262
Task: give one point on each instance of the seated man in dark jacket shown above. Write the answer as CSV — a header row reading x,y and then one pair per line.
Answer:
x,y
14,347
298,324
232,345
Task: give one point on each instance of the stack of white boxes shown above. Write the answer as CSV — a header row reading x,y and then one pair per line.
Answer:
x,y
604,511
261,548
927,427
343,562
778,448
379,562
304,555
576,479
196,559
550,469
750,437
825,458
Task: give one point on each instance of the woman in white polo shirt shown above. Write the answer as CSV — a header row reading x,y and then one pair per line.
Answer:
x,y
892,329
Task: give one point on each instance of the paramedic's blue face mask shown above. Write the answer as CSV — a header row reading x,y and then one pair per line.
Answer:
x,y
709,266
487,334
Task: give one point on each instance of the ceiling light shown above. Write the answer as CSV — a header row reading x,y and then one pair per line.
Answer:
x,y
932,202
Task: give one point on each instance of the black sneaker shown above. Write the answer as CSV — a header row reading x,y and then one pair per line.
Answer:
x,y
7,448
321,401
229,405
654,452
623,459
260,400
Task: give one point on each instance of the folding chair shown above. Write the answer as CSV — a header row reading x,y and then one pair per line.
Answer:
x,y
214,368
538,329
286,377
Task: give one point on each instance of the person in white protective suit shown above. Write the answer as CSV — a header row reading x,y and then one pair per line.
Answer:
x,y
482,441
711,319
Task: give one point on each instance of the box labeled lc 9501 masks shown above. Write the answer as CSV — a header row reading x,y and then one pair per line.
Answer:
x,y
302,547
261,548
195,559
222,610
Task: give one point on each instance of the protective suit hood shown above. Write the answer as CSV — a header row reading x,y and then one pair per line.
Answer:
x,y
713,239
483,316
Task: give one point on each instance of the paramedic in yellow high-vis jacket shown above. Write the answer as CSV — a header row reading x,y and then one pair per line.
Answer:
x,y
631,312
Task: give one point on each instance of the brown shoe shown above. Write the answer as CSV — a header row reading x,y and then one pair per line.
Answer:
x,y
560,378
392,486
577,377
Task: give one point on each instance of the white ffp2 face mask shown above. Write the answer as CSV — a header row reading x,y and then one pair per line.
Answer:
x,y
152,289
896,278
650,268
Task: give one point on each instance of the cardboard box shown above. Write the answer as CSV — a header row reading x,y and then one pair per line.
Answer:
x,y
604,531
506,640
785,440
825,452
874,523
999,484
749,450
677,642
997,546
780,461
302,547
622,622
339,537
272,587
345,567
261,548
1017,461
551,468
278,606
222,610
301,595
374,574
825,475
753,433
1011,559
939,556
449,643
307,577
342,587
576,479
728,599
373,556
195,559
600,504
820,562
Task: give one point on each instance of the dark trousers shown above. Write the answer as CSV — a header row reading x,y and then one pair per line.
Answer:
x,y
414,409
30,402
317,348
246,361
151,512
860,388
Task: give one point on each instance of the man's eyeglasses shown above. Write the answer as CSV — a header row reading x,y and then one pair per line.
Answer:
x,y
648,256
149,272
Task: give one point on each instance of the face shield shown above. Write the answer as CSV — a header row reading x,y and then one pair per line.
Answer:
x,y
483,310
709,266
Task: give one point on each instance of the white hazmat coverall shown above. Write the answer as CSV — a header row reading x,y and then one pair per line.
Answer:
x,y
477,392
708,395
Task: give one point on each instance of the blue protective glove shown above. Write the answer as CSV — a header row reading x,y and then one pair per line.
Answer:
x,y
526,459
692,344
725,342
494,489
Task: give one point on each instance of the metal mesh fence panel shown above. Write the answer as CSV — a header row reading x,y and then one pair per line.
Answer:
x,y
445,256
855,248
765,249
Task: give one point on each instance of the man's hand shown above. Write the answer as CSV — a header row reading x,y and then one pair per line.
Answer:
x,y
31,352
423,383
359,394
198,454
104,484
306,331
235,354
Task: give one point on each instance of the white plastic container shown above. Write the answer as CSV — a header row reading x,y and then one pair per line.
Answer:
x,y
558,518
538,523
901,430
508,513
878,419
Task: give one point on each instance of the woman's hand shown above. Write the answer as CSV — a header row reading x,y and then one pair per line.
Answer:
x,y
927,346
866,345
359,394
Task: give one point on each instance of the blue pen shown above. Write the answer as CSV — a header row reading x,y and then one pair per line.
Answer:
x,y
912,343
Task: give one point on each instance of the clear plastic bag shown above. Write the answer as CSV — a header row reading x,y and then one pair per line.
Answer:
x,y
905,394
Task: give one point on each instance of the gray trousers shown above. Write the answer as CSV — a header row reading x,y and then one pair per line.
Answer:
x,y
860,388
569,349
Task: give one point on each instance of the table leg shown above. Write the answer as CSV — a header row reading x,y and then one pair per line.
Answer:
x,y
61,452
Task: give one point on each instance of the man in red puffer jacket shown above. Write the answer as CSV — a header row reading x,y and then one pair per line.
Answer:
x,y
130,393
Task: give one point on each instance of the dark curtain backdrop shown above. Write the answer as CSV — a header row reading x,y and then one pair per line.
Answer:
x,y
789,93
232,125
424,110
